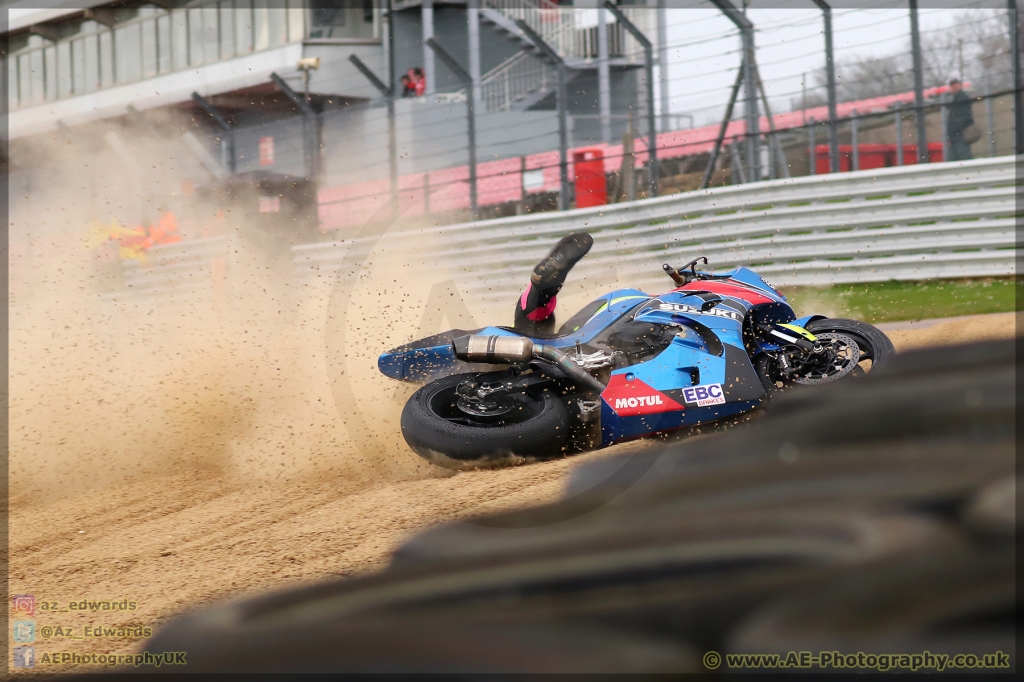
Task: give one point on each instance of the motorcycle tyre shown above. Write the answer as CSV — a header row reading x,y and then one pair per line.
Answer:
x,y
460,446
881,348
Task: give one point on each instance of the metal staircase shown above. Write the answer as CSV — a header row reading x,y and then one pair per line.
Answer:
x,y
572,31
517,83
525,79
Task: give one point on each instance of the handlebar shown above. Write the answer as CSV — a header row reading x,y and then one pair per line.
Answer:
x,y
671,272
682,277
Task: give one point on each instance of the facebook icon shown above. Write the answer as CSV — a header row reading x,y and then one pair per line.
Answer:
x,y
24,657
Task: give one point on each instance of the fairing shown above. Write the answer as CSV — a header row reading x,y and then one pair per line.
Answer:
x,y
705,372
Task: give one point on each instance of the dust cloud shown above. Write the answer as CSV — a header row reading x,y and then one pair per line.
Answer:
x,y
239,381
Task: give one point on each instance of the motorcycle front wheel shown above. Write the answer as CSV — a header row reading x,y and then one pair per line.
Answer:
x,y
533,427
859,349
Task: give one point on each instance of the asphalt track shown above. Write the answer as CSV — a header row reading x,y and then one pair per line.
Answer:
x,y
172,543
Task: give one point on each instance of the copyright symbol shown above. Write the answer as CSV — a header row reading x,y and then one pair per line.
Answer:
x,y
712,660
46,631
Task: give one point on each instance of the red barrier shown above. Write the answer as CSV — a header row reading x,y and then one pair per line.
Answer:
x,y
873,156
591,184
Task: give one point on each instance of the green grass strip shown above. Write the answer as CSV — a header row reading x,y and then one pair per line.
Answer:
x,y
893,301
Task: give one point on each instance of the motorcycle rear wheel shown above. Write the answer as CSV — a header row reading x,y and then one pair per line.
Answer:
x,y
876,350
440,432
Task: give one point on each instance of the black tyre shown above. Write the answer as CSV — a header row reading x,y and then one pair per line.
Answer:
x,y
874,347
437,429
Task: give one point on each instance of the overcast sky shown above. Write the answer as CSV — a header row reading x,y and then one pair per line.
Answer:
x,y
704,47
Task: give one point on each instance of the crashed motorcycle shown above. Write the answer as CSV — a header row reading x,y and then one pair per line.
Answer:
x,y
627,365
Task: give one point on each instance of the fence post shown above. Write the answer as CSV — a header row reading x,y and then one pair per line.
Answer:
x,y
919,112
521,206
737,163
1018,98
944,110
628,160
990,116
388,92
721,130
830,75
473,39
663,64
855,161
899,135
427,20
652,126
468,81
814,147
604,88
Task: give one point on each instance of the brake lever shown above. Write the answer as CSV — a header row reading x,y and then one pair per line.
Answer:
x,y
693,267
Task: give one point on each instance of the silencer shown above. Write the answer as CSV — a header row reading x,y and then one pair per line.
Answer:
x,y
499,350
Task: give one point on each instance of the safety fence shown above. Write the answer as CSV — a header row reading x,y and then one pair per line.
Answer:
x,y
872,133
943,220
954,219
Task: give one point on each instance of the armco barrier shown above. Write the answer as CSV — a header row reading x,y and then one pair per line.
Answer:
x,y
939,220
176,272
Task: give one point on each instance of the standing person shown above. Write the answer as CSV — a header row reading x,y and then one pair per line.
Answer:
x,y
960,118
419,81
408,89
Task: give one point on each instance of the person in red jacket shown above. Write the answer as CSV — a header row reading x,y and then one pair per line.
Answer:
x,y
408,89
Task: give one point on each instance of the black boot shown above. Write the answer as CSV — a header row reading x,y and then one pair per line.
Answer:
x,y
551,272
546,281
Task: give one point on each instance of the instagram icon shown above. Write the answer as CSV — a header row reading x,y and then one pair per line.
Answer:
x,y
24,604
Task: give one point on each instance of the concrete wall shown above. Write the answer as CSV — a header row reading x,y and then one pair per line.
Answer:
x,y
430,136
338,76
289,157
627,96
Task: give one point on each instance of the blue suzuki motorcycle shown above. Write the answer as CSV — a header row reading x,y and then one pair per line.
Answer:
x,y
627,365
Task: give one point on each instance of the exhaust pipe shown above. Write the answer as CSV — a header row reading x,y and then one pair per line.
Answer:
x,y
498,350
557,357
516,350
